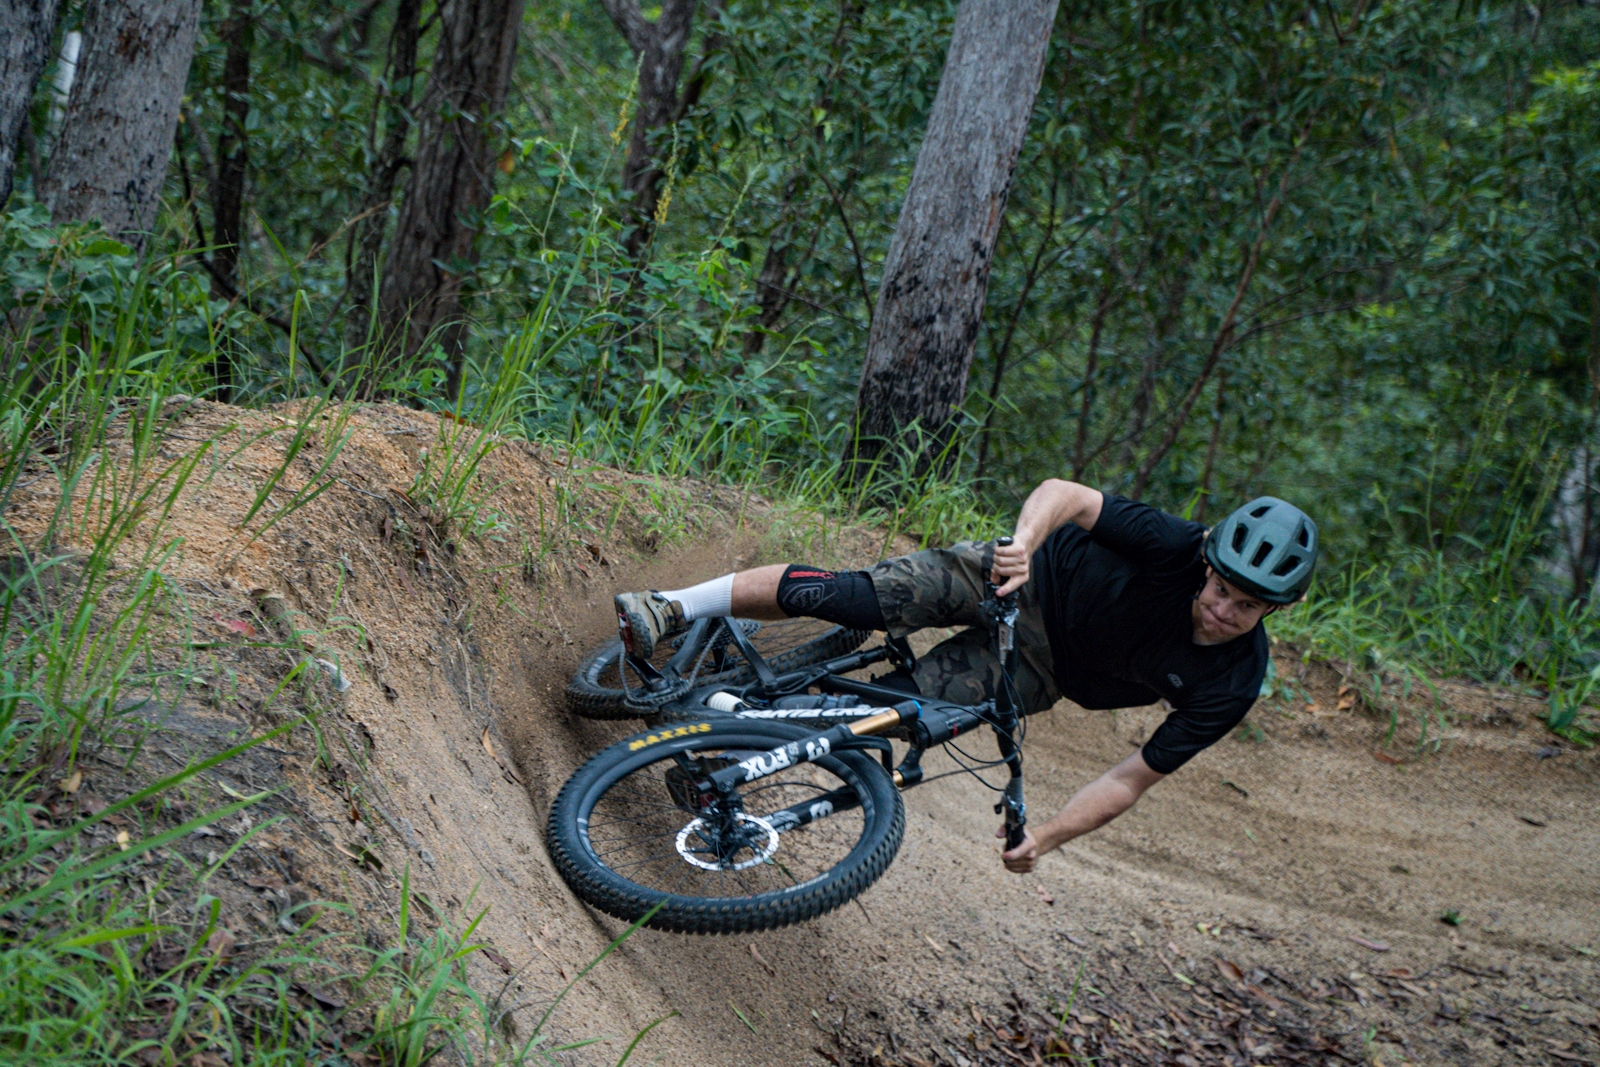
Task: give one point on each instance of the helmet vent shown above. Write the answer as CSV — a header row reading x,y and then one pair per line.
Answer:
x,y
1262,552
1240,535
1304,538
1286,567
1256,513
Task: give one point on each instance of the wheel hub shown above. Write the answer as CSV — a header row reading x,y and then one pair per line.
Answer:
x,y
740,833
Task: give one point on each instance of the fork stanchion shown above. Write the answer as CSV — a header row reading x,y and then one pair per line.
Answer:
x,y
1002,612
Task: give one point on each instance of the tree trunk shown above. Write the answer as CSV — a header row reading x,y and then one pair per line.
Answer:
x,y
659,46
366,237
227,195
26,29
452,179
781,266
233,156
111,159
930,302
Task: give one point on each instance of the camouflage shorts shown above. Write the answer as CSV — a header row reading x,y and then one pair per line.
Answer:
x,y
944,587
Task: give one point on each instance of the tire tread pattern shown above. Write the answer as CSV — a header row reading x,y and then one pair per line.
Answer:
x,y
725,915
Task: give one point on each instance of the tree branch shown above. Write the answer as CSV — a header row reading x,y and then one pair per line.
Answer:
x,y
1221,342
855,246
630,22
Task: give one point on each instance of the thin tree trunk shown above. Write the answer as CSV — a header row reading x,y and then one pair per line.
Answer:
x,y
659,46
1211,447
366,236
774,283
111,158
1167,320
233,157
1002,354
936,275
1219,343
452,179
26,30
1091,366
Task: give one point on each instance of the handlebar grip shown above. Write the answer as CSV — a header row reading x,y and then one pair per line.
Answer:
x,y
1001,542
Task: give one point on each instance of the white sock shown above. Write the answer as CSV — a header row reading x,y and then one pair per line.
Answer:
x,y
708,600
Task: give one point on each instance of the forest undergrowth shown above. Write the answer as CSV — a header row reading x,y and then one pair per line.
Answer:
x,y
109,949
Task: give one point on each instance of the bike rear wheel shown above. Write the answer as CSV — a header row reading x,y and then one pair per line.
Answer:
x,y
607,686
628,834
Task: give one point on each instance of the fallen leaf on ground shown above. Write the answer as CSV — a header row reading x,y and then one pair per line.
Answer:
x,y
122,840
220,944
1344,690
1266,998
937,951
240,627
756,955
499,960
1384,757
1346,703
488,746
72,782
1533,820
1230,970
1029,962
1241,790
1044,894
1376,946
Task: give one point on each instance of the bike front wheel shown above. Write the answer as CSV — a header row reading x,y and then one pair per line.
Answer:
x,y
628,833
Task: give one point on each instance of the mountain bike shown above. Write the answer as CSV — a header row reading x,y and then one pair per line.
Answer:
x,y
767,791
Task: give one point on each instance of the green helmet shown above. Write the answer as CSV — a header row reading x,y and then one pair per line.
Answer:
x,y
1268,548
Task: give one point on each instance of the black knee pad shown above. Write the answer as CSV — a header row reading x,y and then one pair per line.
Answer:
x,y
843,597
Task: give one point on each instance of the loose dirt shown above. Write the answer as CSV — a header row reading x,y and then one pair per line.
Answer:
x,y
1279,900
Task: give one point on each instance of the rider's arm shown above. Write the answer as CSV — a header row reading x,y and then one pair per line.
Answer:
x,y
1048,508
1090,808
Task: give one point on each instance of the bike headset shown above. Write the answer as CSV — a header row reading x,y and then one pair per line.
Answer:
x,y
1268,549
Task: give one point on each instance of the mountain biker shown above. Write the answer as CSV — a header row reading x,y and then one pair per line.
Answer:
x,y
1126,605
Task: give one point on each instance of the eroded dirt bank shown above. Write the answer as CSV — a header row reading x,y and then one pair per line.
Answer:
x,y
1277,901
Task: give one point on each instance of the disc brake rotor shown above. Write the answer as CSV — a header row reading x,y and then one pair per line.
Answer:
x,y
692,832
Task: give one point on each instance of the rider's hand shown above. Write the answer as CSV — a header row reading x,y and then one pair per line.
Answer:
x,y
1011,565
1021,859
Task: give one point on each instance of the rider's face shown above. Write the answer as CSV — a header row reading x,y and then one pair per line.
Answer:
x,y
1222,612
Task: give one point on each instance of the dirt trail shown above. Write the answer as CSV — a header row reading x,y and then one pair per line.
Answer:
x,y
1288,858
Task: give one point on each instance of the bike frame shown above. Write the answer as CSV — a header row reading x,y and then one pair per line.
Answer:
x,y
924,723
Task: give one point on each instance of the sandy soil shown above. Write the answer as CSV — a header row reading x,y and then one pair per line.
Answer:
x,y
1277,901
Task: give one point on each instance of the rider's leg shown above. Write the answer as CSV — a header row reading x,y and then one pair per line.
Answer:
x,y
774,592
964,669
751,594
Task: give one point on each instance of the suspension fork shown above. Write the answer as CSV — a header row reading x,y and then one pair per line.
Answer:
x,y
1002,613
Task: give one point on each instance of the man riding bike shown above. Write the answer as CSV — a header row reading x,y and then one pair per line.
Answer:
x,y
1127,605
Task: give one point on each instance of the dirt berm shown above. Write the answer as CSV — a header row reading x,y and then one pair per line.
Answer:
x,y
1280,900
